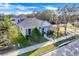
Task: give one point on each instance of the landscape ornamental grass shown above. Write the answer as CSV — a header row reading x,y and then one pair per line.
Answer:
x,y
48,48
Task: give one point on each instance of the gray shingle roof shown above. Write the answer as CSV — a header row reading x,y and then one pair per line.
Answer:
x,y
30,23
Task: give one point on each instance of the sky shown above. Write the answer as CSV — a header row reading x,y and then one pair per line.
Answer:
x,y
25,8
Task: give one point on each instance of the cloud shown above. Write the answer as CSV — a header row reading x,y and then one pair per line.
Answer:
x,y
28,12
5,6
6,12
11,8
50,8
32,7
25,8
17,7
20,7
8,8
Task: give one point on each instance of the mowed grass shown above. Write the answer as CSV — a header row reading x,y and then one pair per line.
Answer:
x,y
48,48
39,51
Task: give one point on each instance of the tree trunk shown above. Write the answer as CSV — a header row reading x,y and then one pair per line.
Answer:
x,y
66,26
65,29
57,22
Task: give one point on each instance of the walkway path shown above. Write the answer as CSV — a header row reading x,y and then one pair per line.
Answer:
x,y
31,48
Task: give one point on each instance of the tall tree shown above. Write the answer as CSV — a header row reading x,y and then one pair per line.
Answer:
x,y
44,15
58,20
73,10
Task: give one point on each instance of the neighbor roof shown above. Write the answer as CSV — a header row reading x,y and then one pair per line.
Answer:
x,y
31,23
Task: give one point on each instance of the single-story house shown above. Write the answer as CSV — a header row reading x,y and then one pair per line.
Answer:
x,y
28,24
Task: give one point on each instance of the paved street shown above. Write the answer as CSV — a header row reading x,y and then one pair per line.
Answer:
x,y
71,49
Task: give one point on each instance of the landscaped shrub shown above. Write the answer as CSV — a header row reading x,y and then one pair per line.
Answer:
x,y
35,35
20,41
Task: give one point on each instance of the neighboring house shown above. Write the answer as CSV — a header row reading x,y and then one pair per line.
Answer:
x,y
1,18
17,20
28,24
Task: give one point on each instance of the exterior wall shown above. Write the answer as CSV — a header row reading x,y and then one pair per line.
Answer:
x,y
46,25
46,28
23,30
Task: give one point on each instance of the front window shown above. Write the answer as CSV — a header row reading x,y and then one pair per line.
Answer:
x,y
29,31
42,31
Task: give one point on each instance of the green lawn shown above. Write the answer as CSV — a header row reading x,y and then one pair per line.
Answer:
x,y
48,48
39,51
